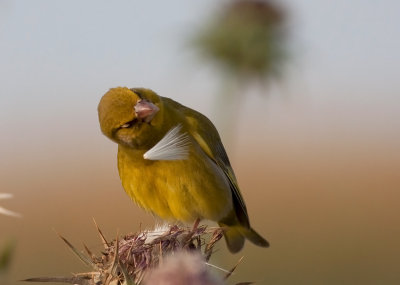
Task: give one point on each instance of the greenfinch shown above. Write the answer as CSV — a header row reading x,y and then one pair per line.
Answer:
x,y
171,162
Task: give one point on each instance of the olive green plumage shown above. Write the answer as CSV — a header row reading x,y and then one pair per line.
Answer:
x,y
172,163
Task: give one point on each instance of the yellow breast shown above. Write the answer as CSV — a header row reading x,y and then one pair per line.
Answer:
x,y
182,190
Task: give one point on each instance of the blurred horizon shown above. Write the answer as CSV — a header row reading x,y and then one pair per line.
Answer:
x,y
316,154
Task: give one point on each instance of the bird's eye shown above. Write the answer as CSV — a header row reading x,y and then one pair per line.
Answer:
x,y
128,124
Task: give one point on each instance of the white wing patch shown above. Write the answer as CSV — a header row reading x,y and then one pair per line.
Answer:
x,y
173,146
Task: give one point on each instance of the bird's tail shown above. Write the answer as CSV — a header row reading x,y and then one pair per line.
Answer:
x,y
235,236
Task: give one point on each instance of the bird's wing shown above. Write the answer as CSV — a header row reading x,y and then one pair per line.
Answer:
x,y
173,146
206,135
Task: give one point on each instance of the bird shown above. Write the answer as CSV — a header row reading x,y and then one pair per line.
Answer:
x,y
172,163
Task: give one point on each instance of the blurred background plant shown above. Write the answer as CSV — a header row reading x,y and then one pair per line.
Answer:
x,y
6,253
4,211
247,40
7,247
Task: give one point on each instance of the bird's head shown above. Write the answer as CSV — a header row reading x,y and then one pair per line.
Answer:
x,y
128,116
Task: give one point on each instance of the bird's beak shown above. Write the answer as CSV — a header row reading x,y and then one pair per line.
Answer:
x,y
145,110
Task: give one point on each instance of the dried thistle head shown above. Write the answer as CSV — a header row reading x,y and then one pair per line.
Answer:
x,y
130,259
139,253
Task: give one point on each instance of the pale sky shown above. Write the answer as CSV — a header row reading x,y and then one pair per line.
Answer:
x,y
59,57
53,52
